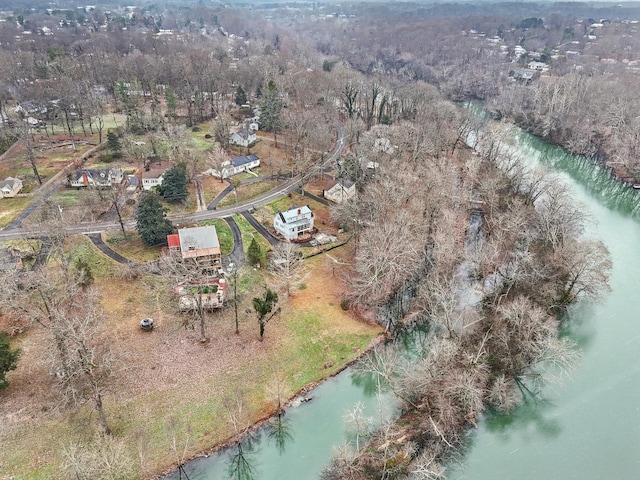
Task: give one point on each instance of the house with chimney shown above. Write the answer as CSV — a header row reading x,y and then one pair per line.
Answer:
x,y
96,178
237,165
199,244
294,223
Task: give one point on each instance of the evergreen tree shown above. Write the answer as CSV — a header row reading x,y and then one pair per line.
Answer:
x,y
153,226
263,306
241,96
8,360
174,184
254,252
271,110
113,144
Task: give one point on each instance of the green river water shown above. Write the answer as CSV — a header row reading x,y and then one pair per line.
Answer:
x,y
588,428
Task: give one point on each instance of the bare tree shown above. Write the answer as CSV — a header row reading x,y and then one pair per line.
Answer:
x,y
103,458
193,287
219,161
287,264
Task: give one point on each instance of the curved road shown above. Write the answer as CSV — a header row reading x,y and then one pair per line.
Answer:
x,y
285,188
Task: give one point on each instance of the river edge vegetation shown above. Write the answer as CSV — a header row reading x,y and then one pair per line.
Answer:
x,y
518,249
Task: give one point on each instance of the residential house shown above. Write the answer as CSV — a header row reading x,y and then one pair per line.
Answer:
x,y
153,177
96,178
198,243
340,191
208,295
538,66
243,138
237,165
9,187
132,183
294,223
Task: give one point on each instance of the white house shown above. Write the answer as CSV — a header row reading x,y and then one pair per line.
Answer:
x,y
243,138
97,178
294,223
538,66
9,187
153,177
340,191
237,165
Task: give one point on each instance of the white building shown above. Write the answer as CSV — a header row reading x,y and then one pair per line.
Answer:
x,y
340,191
9,187
97,178
294,223
243,138
237,165
153,177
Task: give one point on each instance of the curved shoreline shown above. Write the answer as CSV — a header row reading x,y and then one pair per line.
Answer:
x,y
262,421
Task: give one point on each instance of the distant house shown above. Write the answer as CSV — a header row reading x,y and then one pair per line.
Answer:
x,y
9,187
132,183
153,177
340,191
538,66
198,243
524,76
237,165
243,138
293,223
96,178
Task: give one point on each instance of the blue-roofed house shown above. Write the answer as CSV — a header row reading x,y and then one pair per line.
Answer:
x,y
237,165
294,223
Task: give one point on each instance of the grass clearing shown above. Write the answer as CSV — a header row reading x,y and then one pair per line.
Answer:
x,y
12,208
249,233
131,247
249,191
178,389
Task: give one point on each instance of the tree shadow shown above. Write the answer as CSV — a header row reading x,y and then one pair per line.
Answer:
x,y
280,432
242,464
533,412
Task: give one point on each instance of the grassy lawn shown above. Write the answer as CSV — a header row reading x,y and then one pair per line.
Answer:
x,y
225,235
249,233
11,208
169,394
197,138
131,247
247,192
82,249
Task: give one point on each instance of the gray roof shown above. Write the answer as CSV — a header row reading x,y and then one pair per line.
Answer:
x,y
240,161
290,216
198,237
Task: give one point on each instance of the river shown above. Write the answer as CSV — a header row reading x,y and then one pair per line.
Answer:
x,y
589,427
586,428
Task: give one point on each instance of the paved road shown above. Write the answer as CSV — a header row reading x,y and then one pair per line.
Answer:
x,y
96,239
273,241
237,256
287,187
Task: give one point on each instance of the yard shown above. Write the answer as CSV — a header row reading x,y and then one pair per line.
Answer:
x,y
172,388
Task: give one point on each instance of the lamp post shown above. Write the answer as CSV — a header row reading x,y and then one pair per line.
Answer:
x,y
232,270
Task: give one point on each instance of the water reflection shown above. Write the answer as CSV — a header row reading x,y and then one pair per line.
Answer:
x,y
532,413
242,462
281,432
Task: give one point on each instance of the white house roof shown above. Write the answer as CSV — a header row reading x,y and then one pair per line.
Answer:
x,y
10,182
293,215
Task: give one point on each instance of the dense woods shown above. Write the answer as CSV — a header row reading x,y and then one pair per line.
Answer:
x,y
452,232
